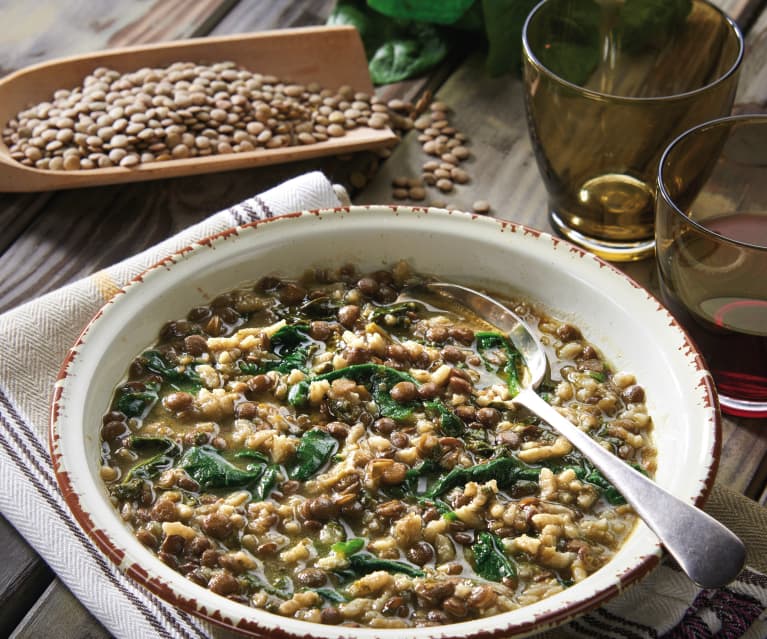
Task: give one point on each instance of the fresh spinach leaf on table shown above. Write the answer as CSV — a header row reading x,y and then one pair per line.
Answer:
x,y
404,39
396,48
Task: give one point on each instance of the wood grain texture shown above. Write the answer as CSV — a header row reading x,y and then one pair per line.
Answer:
x,y
103,225
22,579
50,28
752,88
273,14
58,609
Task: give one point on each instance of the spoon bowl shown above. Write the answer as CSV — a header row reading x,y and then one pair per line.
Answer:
x,y
709,553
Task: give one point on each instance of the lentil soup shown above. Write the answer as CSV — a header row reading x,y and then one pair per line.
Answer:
x,y
312,448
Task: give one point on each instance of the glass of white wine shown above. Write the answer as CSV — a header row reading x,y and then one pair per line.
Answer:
x,y
608,84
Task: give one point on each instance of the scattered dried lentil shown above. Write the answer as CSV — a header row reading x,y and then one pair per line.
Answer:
x,y
481,206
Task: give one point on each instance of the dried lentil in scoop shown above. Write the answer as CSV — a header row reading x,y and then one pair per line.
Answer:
x,y
184,110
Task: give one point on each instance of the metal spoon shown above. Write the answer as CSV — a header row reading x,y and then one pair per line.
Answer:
x,y
710,554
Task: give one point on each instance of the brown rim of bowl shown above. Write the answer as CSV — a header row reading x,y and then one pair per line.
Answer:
x,y
168,594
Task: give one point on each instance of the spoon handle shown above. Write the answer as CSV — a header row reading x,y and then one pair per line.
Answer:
x,y
710,554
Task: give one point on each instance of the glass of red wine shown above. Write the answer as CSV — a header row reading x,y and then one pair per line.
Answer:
x,y
711,251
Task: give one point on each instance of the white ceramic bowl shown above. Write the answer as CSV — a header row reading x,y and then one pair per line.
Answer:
x,y
631,328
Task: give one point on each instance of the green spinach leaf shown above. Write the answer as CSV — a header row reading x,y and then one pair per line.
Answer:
x,y
348,547
363,563
490,560
265,483
505,470
291,348
513,364
166,451
186,379
134,403
378,379
415,50
329,594
449,422
396,49
209,469
313,452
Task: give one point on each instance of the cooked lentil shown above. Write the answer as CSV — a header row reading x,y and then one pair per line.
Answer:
x,y
325,454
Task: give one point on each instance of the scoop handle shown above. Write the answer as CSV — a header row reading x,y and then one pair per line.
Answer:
x,y
709,553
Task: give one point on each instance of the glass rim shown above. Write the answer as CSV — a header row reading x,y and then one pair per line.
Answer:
x,y
599,95
663,192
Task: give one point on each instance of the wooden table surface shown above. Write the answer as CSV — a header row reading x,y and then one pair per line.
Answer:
x,y
53,238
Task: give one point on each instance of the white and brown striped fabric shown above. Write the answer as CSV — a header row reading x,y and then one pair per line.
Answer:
x,y
33,341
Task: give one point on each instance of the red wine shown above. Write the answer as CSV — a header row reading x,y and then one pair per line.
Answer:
x,y
738,361
718,293
743,227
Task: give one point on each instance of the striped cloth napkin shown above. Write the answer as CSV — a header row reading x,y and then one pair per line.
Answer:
x,y
33,341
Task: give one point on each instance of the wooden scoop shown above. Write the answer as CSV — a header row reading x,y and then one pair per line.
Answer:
x,y
329,56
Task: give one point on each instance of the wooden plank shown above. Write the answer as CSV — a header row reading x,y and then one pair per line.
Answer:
x,y
46,30
491,111
276,14
22,579
58,609
172,20
752,87
744,12
742,465
88,229
41,32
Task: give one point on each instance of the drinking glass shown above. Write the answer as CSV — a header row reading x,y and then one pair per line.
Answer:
x,y
608,84
711,251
